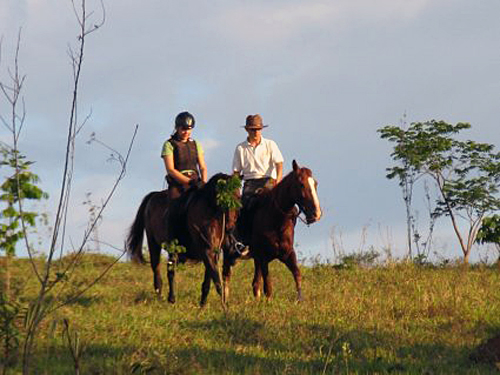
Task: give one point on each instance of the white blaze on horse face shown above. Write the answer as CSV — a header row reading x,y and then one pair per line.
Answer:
x,y
312,185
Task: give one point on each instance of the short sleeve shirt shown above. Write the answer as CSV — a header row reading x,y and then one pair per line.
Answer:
x,y
257,162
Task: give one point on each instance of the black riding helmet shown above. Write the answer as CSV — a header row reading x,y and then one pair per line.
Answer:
x,y
184,120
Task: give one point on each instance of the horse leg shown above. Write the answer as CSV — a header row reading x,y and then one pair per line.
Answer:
x,y
171,281
205,288
257,276
155,255
211,273
291,263
226,275
268,286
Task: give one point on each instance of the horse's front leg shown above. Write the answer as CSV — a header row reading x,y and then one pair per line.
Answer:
x,y
291,263
205,288
155,256
211,273
257,276
171,281
226,276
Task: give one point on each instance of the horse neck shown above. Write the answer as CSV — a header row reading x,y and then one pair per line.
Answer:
x,y
280,195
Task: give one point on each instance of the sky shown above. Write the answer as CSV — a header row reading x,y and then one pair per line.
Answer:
x,y
324,75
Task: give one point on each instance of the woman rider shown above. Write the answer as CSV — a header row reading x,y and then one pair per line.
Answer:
x,y
183,157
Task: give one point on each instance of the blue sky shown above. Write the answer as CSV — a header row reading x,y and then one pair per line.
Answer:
x,y
325,75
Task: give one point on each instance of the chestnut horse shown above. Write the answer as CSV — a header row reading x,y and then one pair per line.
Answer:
x,y
195,221
268,227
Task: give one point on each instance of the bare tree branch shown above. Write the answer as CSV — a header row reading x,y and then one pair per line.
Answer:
x,y
13,95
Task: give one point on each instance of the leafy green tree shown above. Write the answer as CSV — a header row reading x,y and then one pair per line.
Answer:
x,y
408,174
490,232
19,184
15,188
466,173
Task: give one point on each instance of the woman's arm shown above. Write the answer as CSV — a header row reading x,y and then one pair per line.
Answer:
x,y
203,166
174,173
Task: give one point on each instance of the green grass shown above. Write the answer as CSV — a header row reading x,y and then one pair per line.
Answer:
x,y
395,319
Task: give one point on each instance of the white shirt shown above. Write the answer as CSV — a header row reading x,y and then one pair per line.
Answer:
x,y
257,162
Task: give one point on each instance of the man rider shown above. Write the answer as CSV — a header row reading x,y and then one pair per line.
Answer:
x,y
258,159
260,162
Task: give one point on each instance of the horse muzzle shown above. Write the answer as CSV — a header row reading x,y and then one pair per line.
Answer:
x,y
311,220
312,217
311,212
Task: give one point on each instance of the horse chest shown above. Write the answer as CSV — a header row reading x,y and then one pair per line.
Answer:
x,y
278,241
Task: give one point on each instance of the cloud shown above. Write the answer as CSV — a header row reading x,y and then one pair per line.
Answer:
x,y
270,23
11,12
324,75
210,144
253,24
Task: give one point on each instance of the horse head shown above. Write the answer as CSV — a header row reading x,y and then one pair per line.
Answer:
x,y
304,190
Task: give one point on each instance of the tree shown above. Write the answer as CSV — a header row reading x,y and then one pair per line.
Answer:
x,y
52,277
20,184
466,173
490,232
408,175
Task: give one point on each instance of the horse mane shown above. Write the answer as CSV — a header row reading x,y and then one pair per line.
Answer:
x,y
266,195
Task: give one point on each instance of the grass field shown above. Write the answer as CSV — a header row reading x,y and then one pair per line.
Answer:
x,y
400,318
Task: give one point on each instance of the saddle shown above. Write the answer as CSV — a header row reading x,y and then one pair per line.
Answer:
x,y
175,214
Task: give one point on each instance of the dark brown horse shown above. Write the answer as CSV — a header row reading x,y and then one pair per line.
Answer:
x,y
269,226
195,221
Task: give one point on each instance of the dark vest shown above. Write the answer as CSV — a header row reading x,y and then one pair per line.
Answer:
x,y
185,154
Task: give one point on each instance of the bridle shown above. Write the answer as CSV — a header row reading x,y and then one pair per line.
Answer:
x,y
301,210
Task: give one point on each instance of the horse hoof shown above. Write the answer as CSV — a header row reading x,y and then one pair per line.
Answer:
x,y
171,300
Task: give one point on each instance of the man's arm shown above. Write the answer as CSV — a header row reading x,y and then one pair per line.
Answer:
x,y
278,160
279,171
237,165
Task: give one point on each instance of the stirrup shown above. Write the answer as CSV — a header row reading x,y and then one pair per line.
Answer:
x,y
242,250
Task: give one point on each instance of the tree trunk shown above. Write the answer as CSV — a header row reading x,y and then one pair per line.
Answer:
x,y
7,275
466,256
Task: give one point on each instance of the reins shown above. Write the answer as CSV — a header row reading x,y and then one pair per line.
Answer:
x,y
275,203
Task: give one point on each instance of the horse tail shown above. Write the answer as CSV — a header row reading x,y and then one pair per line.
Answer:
x,y
136,232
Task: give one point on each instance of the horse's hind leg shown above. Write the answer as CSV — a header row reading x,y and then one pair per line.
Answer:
x,y
268,286
155,255
291,263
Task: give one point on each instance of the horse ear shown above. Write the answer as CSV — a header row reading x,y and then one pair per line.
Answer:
x,y
295,166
